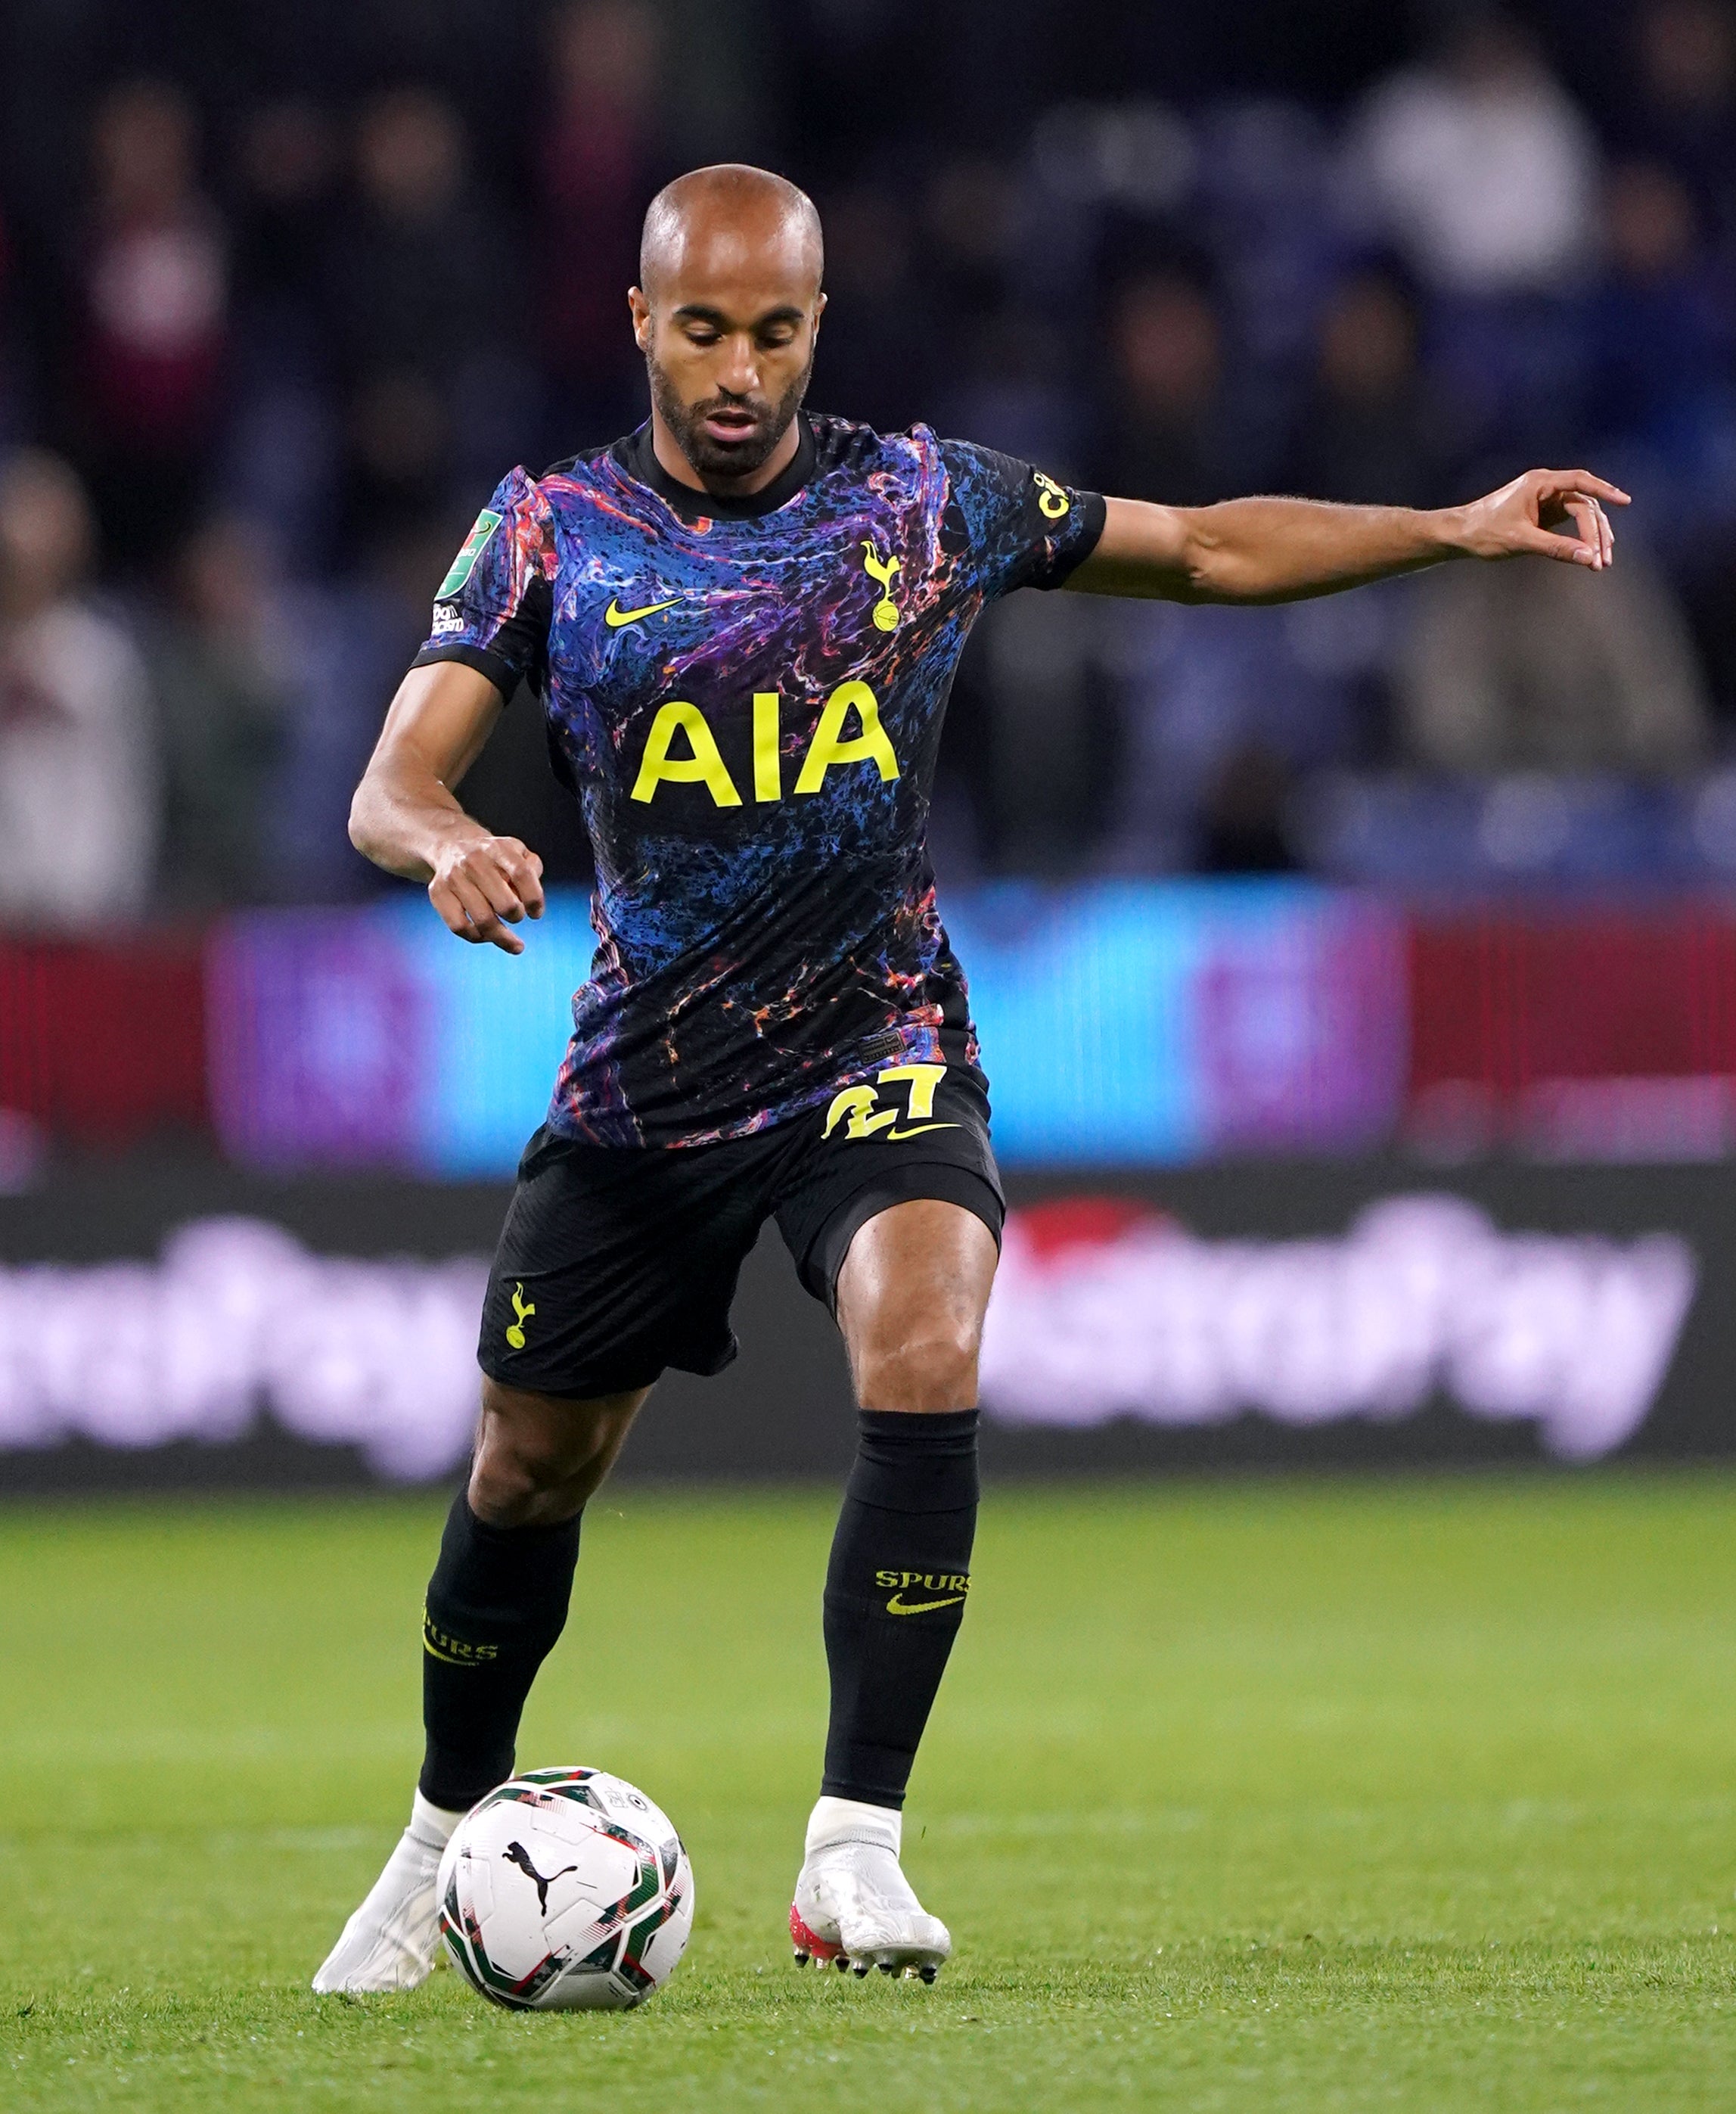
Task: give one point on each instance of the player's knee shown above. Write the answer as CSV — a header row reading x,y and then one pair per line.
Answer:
x,y
511,1487
929,1366
536,1464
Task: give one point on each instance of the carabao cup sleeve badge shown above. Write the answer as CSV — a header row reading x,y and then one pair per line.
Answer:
x,y
465,563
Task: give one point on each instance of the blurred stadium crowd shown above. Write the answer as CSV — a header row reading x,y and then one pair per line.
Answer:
x,y
283,292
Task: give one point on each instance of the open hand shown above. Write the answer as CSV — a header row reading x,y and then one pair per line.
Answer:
x,y
1530,515
483,885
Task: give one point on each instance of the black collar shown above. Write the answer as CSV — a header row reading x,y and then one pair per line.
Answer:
x,y
638,458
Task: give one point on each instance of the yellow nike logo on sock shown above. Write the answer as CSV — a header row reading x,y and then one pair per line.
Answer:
x,y
614,616
895,1605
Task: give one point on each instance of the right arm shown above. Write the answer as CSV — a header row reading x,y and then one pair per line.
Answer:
x,y
406,817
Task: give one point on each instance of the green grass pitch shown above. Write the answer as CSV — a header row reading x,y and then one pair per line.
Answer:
x,y
1332,1795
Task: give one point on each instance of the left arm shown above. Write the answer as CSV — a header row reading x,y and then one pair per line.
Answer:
x,y
1286,549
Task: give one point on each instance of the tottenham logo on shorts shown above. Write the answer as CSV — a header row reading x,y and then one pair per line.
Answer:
x,y
522,1311
854,1107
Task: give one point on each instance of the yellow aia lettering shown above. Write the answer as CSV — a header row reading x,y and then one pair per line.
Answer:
x,y
703,765
870,746
768,771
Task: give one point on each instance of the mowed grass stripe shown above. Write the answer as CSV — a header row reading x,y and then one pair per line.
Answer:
x,y
1359,1794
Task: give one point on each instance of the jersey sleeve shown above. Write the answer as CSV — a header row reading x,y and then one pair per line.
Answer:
x,y
1022,529
493,609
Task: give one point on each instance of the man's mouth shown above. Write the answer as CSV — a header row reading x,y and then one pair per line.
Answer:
x,y
731,423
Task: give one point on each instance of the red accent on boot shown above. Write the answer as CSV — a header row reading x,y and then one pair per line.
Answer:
x,y
815,1947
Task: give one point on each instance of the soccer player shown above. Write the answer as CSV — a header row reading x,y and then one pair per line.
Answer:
x,y
741,622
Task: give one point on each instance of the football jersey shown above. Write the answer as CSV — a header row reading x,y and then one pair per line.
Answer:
x,y
746,697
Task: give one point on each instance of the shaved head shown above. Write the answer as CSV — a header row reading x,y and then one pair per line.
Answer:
x,y
727,312
730,205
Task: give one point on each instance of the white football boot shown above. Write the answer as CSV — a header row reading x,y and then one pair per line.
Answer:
x,y
854,1908
388,1942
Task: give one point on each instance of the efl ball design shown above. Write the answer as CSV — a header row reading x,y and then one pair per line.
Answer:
x,y
565,1890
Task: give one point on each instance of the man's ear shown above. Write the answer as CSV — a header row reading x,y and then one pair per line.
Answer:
x,y
640,309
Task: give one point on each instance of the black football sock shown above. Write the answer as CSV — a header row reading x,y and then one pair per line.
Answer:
x,y
496,1603
895,1594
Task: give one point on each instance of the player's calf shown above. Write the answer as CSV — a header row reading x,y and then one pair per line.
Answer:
x,y
896,1590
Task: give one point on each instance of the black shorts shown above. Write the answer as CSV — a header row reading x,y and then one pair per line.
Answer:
x,y
614,1263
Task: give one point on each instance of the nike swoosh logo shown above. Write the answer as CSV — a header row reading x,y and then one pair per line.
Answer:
x,y
895,1605
918,1130
614,616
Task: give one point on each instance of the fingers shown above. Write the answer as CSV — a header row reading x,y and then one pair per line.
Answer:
x,y
1595,531
525,869
485,887
1558,497
1544,543
1596,540
1578,482
468,912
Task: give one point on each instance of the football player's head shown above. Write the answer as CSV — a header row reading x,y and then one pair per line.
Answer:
x,y
727,312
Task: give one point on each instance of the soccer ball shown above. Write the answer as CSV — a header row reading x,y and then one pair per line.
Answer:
x,y
565,1890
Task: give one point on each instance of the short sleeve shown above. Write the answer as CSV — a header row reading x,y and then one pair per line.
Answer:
x,y
1022,529
493,611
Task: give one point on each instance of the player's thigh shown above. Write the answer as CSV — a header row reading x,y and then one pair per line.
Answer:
x,y
891,1207
911,1297
539,1457
614,1263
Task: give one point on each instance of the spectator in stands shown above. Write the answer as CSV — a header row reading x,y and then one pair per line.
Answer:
x,y
1661,332
152,326
1683,114
1051,735
287,158
1367,432
1483,174
279,460
1004,376
1478,165
1662,411
1244,818
12,392
424,292
221,664
1509,667
595,164
879,364
1199,688
1169,437
78,792
417,274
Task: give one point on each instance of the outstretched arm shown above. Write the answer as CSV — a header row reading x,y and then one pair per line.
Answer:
x,y
406,818
1286,549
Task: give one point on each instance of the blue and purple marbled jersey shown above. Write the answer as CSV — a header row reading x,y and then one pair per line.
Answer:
x,y
747,697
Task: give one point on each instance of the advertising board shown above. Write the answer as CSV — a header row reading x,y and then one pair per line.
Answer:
x,y
1134,1022
215,1327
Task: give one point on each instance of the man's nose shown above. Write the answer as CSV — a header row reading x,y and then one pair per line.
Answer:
x,y
740,374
